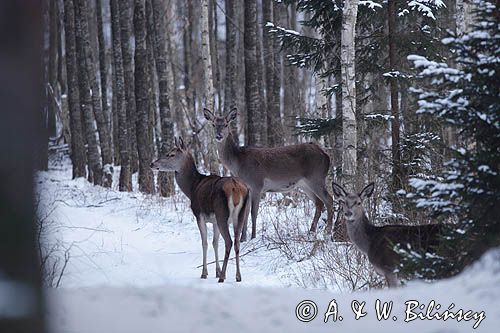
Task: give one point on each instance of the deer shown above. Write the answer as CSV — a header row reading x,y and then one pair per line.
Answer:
x,y
279,169
378,242
218,200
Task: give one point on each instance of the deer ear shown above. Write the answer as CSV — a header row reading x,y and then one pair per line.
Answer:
x,y
176,142
367,191
338,190
232,115
208,114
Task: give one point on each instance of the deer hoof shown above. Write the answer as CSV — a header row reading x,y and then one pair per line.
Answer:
x,y
238,278
221,280
204,275
243,238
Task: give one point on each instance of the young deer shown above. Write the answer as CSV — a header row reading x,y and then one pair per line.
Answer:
x,y
378,242
218,200
279,169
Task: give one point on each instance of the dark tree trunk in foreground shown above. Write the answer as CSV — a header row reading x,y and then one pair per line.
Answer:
x,y
75,120
128,75
165,179
84,77
121,114
142,97
21,134
252,97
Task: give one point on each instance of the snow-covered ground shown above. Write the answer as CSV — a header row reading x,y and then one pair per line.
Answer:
x,y
134,267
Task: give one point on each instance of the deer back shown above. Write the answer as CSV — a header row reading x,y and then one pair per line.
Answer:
x,y
214,193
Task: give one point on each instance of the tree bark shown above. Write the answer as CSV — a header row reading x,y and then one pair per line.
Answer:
x,y
142,97
251,74
231,80
52,70
165,179
395,125
128,75
274,109
348,74
209,91
103,67
123,124
77,143
89,67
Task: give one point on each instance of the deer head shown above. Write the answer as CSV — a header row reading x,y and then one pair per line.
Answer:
x,y
174,159
220,123
352,202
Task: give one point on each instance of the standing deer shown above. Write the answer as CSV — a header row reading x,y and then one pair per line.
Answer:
x,y
378,242
279,169
217,200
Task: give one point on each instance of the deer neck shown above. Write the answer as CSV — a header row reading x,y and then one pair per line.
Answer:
x,y
360,232
229,150
188,177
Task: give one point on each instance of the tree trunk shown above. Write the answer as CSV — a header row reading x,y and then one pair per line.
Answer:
x,y
89,67
142,97
122,125
85,72
103,65
52,70
21,296
251,74
261,80
128,75
209,91
395,127
165,179
231,80
348,73
275,128
77,142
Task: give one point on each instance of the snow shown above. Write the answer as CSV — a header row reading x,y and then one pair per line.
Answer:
x,y
173,308
134,267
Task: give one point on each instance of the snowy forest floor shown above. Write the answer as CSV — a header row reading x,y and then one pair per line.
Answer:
x,y
134,267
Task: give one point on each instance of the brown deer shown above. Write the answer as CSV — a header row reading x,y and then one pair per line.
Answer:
x,y
217,200
378,242
279,169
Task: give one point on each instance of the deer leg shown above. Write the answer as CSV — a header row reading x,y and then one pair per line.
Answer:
x,y
237,235
255,196
223,223
202,226
392,280
215,243
321,192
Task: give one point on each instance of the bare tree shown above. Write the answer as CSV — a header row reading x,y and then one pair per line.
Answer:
x,y
165,179
123,128
274,111
77,143
83,54
348,74
142,97
128,75
394,94
252,98
52,70
209,91
231,83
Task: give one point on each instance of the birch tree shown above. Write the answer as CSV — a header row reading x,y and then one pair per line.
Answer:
x,y
349,131
209,91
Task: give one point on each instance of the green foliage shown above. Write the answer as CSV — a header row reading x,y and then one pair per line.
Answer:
x,y
463,93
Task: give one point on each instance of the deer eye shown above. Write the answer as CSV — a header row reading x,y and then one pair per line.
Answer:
x,y
359,203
